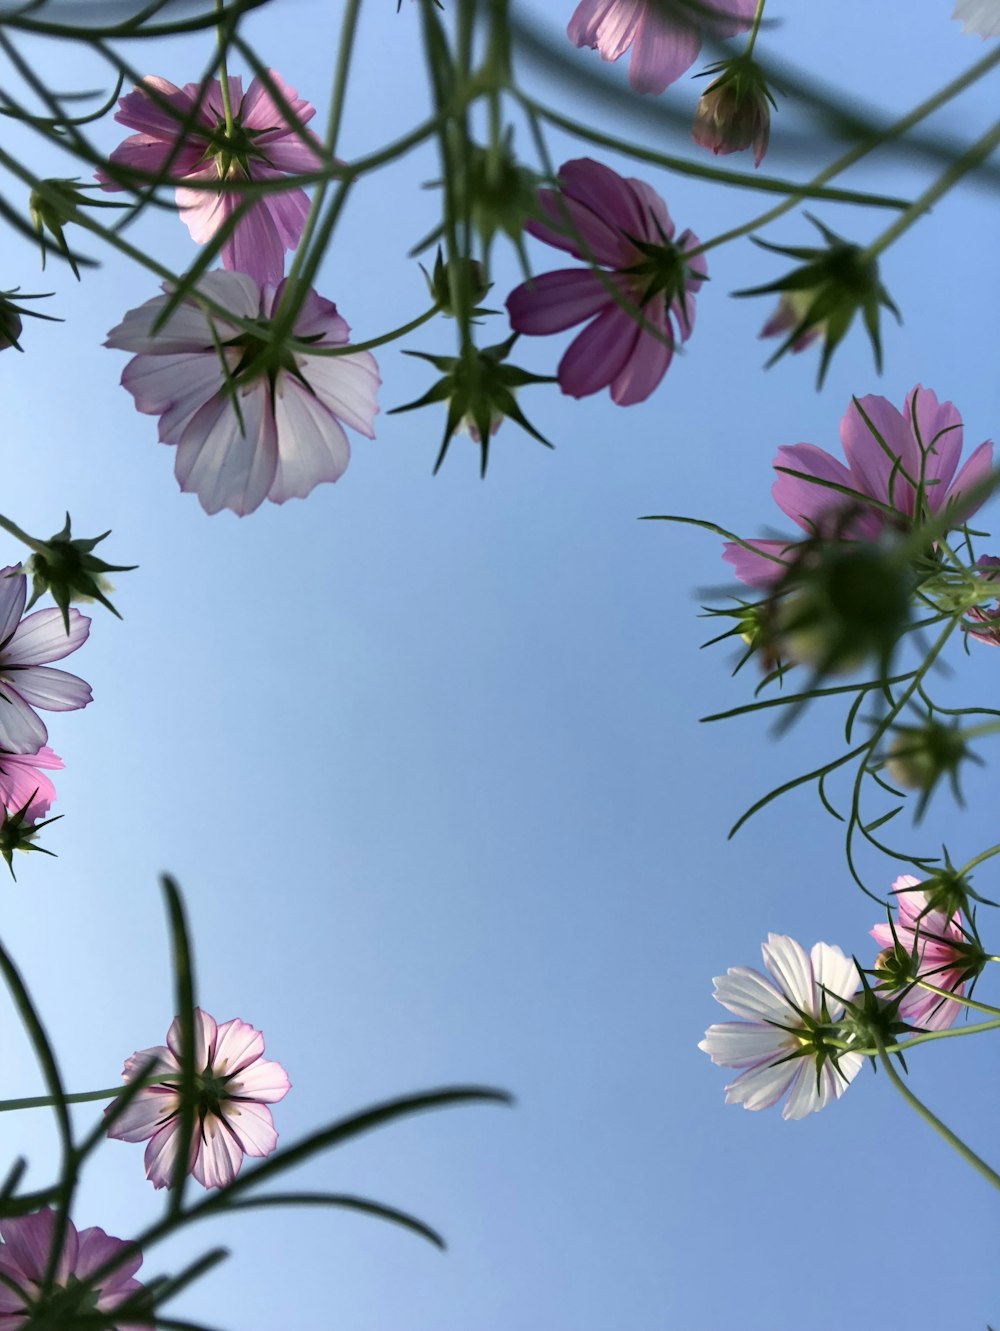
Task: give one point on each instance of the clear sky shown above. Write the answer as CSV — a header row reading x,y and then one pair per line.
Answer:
x,y
423,753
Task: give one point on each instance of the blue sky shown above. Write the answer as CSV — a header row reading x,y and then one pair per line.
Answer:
x,y
423,753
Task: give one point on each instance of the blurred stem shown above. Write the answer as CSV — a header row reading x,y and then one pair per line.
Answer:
x,y
932,1120
948,178
758,15
46,1101
860,150
351,347
223,39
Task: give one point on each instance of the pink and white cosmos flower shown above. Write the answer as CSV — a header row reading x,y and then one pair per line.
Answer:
x,y
22,783
665,37
780,1046
902,467
622,225
262,146
941,958
24,1258
981,17
251,420
26,680
234,1085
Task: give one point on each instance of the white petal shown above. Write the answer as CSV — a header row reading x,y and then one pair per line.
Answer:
x,y
225,466
837,974
22,730
744,1044
346,385
746,993
761,1087
13,594
312,445
52,690
790,965
42,637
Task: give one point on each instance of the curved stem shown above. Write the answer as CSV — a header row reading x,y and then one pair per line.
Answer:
x,y
46,1101
351,347
20,535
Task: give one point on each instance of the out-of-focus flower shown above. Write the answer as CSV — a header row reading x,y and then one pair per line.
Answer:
x,y
920,757
820,298
471,271
26,681
23,786
53,204
630,308
479,395
984,624
928,945
24,1261
734,111
902,468
234,1084
665,35
784,1042
182,137
252,419
981,17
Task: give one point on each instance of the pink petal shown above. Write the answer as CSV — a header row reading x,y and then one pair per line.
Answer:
x,y
264,1081
939,441
883,469
661,52
608,25
974,473
160,1157
52,690
252,1126
800,498
259,110
312,445
237,1045
218,1155
649,361
599,354
13,594
344,385
43,637
225,465
555,301
150,1111
22,730
759,570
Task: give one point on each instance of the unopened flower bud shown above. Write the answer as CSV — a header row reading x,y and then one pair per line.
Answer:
x,y
734,111
69,571
10,325
471,272
54,203
921,756
17,833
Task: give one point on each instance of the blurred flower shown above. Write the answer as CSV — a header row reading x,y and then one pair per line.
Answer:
x,y
24,1261
622,225
234,1084
820,298
926,943
665,35
252,419
919,757
26,682
10,315
783,1045
23,786
734,111
182,136
902,468
979,16
53,204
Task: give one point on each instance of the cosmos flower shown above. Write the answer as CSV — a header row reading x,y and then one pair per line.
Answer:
x,y
234,1086
981,17
22,784
252,419
24,1257
902,468
623,226
182,134
664,35
783,1043
26,681
941,952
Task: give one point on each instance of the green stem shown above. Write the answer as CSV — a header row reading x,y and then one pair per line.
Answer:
x,y
752,38
925,1037
46,1101
932,1120
351,347
958,998
962,165
860,150
20,535
227,106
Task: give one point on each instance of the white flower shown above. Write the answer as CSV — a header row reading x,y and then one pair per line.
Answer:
x,y
783,1043
979,16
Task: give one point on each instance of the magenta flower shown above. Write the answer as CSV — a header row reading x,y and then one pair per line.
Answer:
x,y
781,1045
26,682
235,1084
942,954
262,146
252,420
23,786
24,1258
979,16
902,468
664,43
623,226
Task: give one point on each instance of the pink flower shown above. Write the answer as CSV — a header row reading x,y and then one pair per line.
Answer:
x,y
252,420
262,146
24,1258
781,1046
941,960
21,783
665,35
902,468
979,16
235,1083
622,225
26,682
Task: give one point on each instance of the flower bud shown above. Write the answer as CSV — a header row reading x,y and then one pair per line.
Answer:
x,y
439,284
10,325
54,203
921,756
66,568
734,112
18,834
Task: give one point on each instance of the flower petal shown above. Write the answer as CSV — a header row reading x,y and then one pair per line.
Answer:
x,y
555,301
43,637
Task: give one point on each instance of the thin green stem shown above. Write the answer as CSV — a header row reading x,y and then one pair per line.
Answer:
x,y
20,535
350,348
755,27
46,1101
972,1003
932,1120
223,40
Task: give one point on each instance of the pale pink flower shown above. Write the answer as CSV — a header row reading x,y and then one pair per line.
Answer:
x,y
902,468
981,17
941,960
251,420
26,681
665,37
234,1086
623,226
24,1258
263,146
782,1043
21,782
